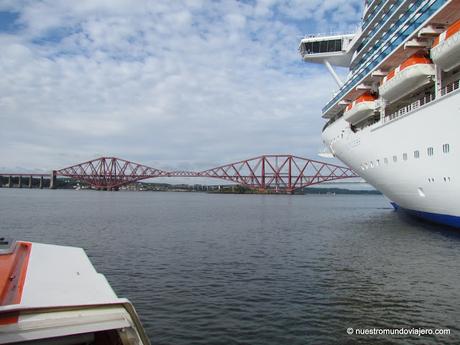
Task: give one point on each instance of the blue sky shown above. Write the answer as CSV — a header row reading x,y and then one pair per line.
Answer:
x,y
174,84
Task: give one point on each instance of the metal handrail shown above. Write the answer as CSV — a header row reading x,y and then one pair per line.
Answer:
x,y
450,87
409,108
401,33
332,33
455,85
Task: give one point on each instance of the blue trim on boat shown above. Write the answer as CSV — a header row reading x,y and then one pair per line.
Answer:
x,y
445,219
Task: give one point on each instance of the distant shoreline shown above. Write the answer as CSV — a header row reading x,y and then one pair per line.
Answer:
x,y
218,189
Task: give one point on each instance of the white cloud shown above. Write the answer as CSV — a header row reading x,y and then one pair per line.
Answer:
x,y
160,82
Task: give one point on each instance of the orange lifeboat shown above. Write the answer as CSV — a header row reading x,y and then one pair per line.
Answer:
x,y
360,109
446,48
415,72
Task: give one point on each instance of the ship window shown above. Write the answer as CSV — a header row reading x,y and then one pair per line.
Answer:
x,y
405,156
315,48
323,46
445,148
334,45
430,151
417,154
385,160
395,158
338,45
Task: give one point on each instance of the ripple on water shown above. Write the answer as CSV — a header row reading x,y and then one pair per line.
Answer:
x,y
254,269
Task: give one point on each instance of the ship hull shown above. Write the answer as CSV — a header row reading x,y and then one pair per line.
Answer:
x,y
444,219
383,154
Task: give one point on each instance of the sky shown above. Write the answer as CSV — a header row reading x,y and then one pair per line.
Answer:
x,y
185,84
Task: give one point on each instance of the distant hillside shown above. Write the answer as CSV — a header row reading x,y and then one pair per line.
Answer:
x,y
310,190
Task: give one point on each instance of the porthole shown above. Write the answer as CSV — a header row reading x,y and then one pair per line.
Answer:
x,y
445,148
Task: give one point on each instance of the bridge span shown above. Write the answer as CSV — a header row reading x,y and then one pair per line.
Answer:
x,y
283,173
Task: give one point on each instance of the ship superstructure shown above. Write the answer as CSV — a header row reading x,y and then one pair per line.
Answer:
x,y
394,119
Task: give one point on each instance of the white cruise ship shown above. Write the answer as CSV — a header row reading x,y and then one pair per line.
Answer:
x,y
396,119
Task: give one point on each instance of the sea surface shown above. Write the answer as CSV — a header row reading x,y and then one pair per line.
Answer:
x,y
256,269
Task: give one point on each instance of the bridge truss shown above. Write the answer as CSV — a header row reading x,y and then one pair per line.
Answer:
x,y
283,173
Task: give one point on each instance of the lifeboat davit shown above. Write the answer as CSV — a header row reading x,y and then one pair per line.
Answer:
x,y
446,48
360,109
415,72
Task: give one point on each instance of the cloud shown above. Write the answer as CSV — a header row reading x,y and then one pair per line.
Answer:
x,y
182,83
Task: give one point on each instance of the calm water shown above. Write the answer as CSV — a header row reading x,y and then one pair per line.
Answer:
x,y
255,269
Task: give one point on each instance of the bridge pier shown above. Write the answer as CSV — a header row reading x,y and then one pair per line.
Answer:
x,y
20,181
30,181
41,183
53,180
10,181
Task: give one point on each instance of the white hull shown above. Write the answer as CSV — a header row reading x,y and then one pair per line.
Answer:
x,y
405,55
428,184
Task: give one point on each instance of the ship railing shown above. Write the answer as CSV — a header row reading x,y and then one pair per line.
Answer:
x,y
331,33
412,20
450,87
455,85
373,13
409,108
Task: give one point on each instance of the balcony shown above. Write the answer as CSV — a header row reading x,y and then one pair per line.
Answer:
x,y
400,31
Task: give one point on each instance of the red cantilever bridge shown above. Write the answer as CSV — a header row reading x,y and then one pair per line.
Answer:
x,y
279,172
